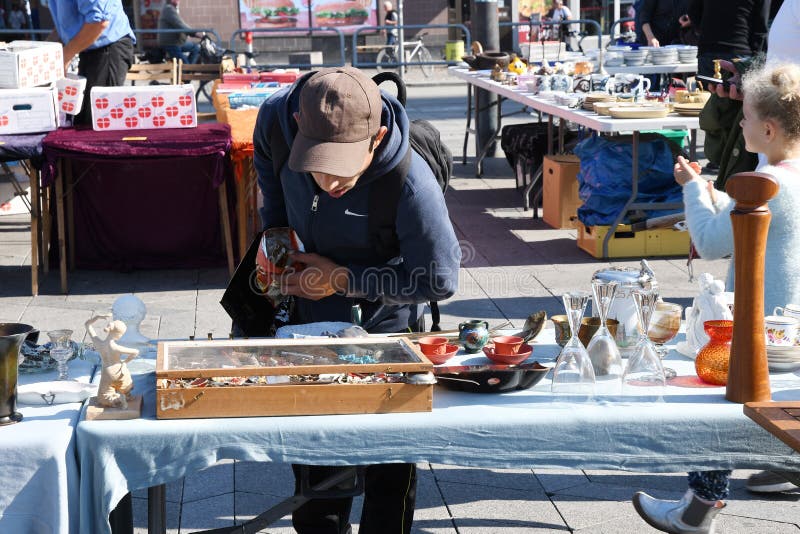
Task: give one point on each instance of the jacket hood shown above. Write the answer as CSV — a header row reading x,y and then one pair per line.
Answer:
x,y
391,150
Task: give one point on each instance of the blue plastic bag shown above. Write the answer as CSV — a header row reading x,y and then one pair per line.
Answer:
x,y
604,180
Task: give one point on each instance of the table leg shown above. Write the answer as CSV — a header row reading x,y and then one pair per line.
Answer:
x,y
157,509
467,131
35,230
480,152
70,186
254,196
46,227
226,226
634,193
692,144
242,208
62,240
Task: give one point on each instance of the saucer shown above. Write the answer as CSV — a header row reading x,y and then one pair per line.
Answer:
x,y
55,392
438,359
512,359
783,367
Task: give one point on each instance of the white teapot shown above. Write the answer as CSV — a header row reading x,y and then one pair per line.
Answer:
x,y
711,304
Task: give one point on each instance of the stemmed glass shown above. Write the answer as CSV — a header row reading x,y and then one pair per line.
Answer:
x,y
61,350
603,351
644,375
664,326
573,373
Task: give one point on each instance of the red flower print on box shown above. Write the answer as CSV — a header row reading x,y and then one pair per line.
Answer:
x,y
157,101
117,113
129,102
71,90
103,122
144,112
185,100
172,111
67,107
159,121
3,120
186,120
131,122
101,103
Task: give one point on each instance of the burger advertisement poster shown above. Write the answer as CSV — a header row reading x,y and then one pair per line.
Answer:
x,y
345,15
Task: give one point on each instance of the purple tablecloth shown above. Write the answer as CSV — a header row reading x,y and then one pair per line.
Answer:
x,y
21,147
144,198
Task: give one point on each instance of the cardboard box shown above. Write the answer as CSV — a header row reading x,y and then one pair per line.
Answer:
x,y
627,244
265,377
28,110
145,107
70,93
30,63
560,200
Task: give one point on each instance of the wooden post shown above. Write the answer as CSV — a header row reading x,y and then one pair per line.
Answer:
x,y
748,376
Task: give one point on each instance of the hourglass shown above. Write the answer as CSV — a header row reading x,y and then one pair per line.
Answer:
x,y
602,349
573,373
644,375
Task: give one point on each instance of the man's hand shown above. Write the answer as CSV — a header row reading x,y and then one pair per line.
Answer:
x,y
684,21
654,43
733,91
685,171
320,278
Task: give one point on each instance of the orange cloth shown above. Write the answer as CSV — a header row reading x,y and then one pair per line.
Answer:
x,y
242,123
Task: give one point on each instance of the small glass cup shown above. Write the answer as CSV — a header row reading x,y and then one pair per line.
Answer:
x,y
61,350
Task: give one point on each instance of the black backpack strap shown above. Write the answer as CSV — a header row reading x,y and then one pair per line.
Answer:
x,y
384,198
278,147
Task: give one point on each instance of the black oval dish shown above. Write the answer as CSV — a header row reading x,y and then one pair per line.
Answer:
x,y
485,379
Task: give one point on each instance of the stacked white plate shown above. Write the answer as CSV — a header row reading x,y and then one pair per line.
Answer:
x,y
635,58
783,358
614,59
663,56
686,53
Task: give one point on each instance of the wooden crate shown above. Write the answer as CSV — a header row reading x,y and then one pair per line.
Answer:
x,y
196,379
560,200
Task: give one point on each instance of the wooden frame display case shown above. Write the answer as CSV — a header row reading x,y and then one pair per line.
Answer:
x,y
311,376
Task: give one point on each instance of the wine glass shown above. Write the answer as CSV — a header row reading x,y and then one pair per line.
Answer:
x,y
603,351
573,373
644,374
61,350
664,326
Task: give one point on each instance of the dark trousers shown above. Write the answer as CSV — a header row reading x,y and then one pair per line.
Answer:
x,y
103,67
705,61
389,498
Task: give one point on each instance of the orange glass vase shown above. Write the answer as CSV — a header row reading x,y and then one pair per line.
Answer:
x,y
713,359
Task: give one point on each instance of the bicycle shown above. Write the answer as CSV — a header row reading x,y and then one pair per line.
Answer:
x,y
387,57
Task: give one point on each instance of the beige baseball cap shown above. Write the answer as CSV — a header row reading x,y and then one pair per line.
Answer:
x,y
340,113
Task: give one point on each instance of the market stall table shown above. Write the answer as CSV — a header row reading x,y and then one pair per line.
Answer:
x,y
593,121
27,149
242,123
140,199
694,428
39,479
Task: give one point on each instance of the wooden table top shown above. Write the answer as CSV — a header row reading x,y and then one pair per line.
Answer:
x,y
781,419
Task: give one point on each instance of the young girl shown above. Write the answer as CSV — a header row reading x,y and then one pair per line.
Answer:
x,y
771,126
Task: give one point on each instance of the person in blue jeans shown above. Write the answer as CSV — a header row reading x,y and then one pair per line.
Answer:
x,y
771,126
175,44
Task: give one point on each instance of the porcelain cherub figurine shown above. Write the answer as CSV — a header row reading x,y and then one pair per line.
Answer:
x,y
115,381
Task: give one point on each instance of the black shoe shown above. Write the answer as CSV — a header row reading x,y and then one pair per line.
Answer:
x,y
773,481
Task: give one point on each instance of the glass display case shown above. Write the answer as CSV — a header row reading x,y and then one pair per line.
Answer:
x,y
260,377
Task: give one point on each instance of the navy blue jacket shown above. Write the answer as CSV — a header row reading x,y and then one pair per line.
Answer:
x,y
390,293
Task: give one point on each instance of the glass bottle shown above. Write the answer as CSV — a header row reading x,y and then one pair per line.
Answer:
x,y
644,375
573,374
603,351
713,359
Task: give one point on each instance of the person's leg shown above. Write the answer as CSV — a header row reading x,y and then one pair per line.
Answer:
x,y
174,51
191,51
103,67
389,499
695,513
391,41
321,516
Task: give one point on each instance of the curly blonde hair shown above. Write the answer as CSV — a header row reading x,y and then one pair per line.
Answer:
x,y
774,91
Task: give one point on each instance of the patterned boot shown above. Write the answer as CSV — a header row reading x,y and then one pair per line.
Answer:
x,y
690,515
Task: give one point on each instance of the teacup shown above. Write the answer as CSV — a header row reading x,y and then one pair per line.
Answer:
x,y
562,82
790,310
433,345
541,82
599,82
780,330
507,345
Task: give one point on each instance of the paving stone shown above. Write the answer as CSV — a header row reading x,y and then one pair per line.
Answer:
x,y
209,482
204,514
584,512
517,479
553,480
477,508
249,505
676,482
47,318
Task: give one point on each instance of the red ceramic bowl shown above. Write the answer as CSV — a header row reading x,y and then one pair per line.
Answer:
x,y
438,359
507,345
509,359
433,345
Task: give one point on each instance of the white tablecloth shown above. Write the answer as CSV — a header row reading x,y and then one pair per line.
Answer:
x,y
694,428
39,474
